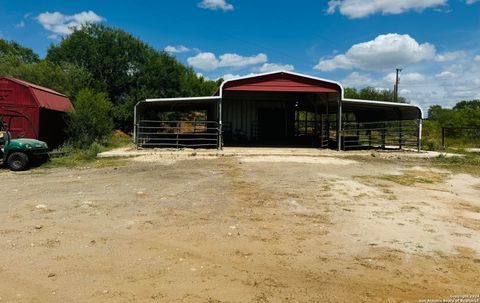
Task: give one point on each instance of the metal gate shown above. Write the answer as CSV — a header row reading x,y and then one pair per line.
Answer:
x,y
177,134
384,134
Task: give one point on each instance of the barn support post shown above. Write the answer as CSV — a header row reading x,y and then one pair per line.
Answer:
x,y
443,137
328,125
316,138
400,135
339,125
305,129
322,130
220,124
400,129
135,121
419,137
384,135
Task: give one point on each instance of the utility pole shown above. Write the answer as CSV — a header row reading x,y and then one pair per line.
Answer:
x,y
397,82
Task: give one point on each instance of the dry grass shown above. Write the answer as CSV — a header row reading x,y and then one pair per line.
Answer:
x,y
472,208
412,177
469,164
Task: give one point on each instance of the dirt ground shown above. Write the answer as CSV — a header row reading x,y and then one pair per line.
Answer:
x,y
240,229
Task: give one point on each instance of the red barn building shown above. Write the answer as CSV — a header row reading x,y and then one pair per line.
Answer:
x,y
33,111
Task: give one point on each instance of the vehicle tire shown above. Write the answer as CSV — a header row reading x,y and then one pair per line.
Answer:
x,y
18,161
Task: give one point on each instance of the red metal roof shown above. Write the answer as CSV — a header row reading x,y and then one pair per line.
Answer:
x,y
45,97
282,82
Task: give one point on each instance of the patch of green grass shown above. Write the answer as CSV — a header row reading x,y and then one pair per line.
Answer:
x,y
410,178
74,157
469,164
117,140
462,142
407,178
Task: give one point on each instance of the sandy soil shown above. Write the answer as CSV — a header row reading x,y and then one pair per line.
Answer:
x,y
240,229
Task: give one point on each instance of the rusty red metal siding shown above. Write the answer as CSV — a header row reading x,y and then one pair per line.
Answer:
x,y
20,109
30,110
12,93
45,97
282,82
52,101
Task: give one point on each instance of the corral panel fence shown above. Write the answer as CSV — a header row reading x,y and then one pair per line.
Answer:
x,y
177,134
382,134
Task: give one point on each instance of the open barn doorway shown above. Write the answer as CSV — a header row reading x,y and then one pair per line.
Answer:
x,y
279,119
272,126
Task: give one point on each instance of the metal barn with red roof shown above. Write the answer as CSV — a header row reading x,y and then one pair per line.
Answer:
x,y
277,109
33,111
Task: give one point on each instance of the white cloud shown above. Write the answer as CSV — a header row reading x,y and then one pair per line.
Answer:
x,y
471,1
337,62
450,56
477,58
20,24
216,5
384,52
227,77
443,83
204,61
200,75
272,67
364,8
408,78
234,60
445,75
356,79
177,49
61,25
209,61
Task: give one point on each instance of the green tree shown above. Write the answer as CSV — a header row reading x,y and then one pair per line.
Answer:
x,y
15,50
472,104
126,68
463,114
351,93
371,93
112,56
437,113
91,122
67,80
462,120
193,85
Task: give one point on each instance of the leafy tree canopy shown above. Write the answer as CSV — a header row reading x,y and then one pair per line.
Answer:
x,y
127,69
370,93
463,114
67,80
91,120
15,50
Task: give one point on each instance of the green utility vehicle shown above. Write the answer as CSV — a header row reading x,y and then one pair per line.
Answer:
x,y
19,154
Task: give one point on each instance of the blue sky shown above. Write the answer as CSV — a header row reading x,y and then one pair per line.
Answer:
x,y
356,42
